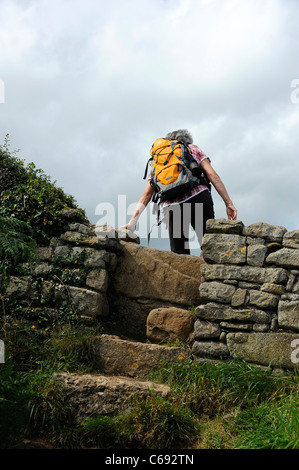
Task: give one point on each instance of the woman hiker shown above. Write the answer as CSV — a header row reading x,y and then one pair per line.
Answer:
x,y
188,209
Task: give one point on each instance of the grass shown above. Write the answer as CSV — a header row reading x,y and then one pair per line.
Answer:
x,y
151,423
223,405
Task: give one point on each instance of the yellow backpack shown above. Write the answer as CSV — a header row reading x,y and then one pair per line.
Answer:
x,y
174,170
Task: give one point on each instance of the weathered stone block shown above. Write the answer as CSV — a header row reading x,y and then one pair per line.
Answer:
x,y
47,293
213,312
273,349
106,231
93,395
209,349
87,302
155,274
223,248
263,230
21,288
296,287
169,324
290,296
248,285
61,252
91,241
81,228
224,226
256,255
95,258
71,237
286,257
42,269
291,283
291,239
263,300
216,291
273,288
44,252
98,280
236,326
205,330
116,356
288,315
259,328
239,298
244,273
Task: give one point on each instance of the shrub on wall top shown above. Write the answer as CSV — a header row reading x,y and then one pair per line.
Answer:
x,y
28,194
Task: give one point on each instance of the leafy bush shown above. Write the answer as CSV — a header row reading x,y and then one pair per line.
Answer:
x,y
16,242
28,194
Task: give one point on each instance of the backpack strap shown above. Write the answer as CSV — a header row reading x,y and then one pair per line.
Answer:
x,y
198,170
159,221
146,168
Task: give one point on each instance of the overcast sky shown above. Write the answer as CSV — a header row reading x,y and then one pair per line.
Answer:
x,y
87,86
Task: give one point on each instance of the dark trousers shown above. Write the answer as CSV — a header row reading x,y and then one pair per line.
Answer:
x,y
195,212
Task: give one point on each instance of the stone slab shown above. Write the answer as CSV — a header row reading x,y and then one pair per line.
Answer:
x,y
286,257
288,314
244,273
210,349
224,248
269,232
214,312
158,275
93,395
269,349
224,226
216,292
291,239
116,356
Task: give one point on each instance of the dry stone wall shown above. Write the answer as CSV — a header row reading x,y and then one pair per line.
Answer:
x,y
241,300
71,277
249,294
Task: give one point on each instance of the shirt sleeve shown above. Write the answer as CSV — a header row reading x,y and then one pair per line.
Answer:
x,y
197,153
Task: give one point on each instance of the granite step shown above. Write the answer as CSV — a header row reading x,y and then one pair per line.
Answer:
x,y
116,356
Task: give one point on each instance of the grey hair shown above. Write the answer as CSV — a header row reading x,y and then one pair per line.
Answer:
x,y
181,134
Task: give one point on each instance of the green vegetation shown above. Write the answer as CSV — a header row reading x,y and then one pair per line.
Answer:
x,y
252,410
31,212
27,194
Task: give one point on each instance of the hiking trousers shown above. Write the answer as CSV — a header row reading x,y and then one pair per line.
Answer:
x,y
195,212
